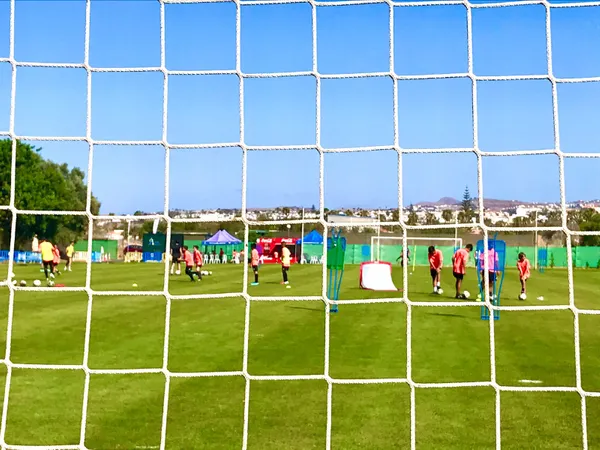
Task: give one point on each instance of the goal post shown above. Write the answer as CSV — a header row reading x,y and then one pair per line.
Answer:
x,y
389,248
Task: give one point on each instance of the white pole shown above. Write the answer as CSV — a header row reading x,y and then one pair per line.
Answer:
x,y
455,230
535,244
378,238
302,241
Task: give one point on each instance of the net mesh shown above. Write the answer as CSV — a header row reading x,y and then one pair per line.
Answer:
x,y
487,230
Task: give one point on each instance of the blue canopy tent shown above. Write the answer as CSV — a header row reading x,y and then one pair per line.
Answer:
x,y
224,241
311,238
221,237
311,246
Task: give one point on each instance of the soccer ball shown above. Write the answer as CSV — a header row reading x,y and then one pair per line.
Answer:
x,y
467,294
50,283
210,272
37,283
23,283
440,291
178,272
523,297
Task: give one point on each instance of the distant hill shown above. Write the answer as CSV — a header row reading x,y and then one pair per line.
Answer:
x,y
441,201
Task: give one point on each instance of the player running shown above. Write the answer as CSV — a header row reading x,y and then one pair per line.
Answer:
x,y
524,273
198,261
254,262
285,262
47,251
436,259
188,258
70,251
459,268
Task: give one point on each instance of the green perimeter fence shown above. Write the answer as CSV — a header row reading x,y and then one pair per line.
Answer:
x,y
110,247
358,253
557,256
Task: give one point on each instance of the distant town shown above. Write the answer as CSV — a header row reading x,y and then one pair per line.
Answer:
x,y
445,210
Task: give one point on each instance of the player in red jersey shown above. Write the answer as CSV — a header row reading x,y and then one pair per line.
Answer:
x,y
524,267
436,259
459,267
198,261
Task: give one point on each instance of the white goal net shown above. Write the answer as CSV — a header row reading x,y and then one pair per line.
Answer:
x,y
250,300
391,248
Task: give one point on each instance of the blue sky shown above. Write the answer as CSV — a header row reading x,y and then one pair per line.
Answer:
x,y
513,115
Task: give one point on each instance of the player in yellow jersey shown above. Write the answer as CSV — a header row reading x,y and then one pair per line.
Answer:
x,y
70,251
285,262
47,250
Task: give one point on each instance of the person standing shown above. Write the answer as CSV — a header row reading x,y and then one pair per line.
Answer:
x,y
70,251
286,260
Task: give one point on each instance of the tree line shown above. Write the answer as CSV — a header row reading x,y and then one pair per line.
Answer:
x,y
41,184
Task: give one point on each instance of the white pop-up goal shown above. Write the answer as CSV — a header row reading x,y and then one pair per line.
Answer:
x,y
377,276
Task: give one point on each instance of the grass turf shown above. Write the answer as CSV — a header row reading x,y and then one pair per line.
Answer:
x,y
287,338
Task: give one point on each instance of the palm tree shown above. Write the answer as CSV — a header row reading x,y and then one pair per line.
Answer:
x,y
447,215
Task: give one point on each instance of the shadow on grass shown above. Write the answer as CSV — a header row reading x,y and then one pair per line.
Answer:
x,y
319,310
447,315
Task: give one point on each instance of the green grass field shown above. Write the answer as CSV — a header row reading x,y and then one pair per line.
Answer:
x,y
367,341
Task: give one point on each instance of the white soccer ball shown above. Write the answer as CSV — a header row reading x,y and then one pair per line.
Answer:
x,y
37,283
178,272
23,283
523,297
467,294
50,283
440,291
210,272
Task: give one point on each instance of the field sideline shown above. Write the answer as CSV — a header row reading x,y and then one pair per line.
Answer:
x,y
288,338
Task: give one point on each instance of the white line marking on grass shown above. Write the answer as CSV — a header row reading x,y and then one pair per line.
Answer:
x,y
531,381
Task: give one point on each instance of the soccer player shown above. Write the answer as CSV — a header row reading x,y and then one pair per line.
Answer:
x,y
459,268
285,262
188,258
198,261
401,257
47,251
69,251
524,271
56,259
176,257
492,267
254,262
436,259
